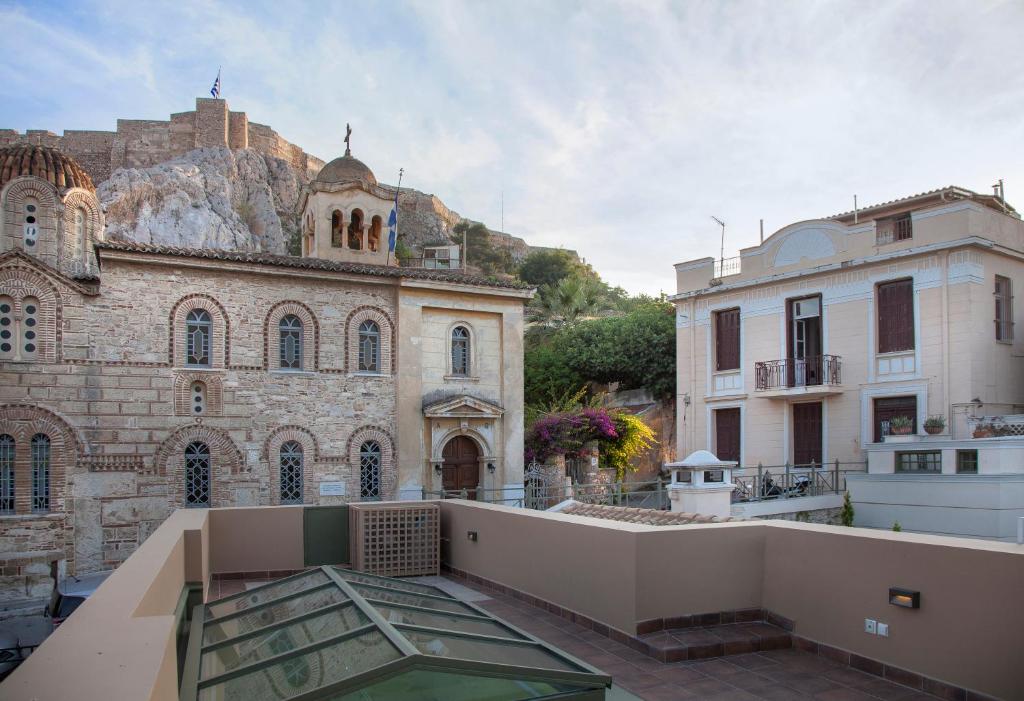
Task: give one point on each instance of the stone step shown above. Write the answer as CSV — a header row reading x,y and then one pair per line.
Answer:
x,y
698,643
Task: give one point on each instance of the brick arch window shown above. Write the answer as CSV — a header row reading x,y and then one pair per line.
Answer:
x,y
363,341
291,461
30,317
197,475
373,237
198,393
199,333
30,207
81,224
371,455
337,228
30,225
291,338
20,328
8,328
461,351
40,473
7,483
355,230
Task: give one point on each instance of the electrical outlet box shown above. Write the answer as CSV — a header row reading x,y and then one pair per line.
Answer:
x,y
883,630
870,626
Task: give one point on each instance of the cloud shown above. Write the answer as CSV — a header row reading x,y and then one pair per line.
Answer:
x,y
612,128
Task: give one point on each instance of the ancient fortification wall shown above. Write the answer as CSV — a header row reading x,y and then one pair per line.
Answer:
x,y
140,143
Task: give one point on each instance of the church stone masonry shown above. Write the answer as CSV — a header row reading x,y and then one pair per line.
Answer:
x,y
138,379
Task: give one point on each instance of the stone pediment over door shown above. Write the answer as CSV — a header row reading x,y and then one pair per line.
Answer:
x,y
462,406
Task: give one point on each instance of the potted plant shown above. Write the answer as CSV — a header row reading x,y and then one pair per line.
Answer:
x,y
982,430
935,424
901,425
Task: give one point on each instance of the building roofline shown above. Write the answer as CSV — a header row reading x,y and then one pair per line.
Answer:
x,y
954,190
305,263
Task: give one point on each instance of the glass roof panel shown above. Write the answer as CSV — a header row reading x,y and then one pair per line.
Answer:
x,y
419,684
445,621
259,647
265,593
401,597
215,631
391,583
302,673
481,650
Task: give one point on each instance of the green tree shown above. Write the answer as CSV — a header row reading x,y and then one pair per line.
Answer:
x,y
572,299
475,240
549,267
846,515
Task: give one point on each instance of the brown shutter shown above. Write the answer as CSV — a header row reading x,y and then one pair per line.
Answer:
x,y
807,433
727,339
727,434
896,316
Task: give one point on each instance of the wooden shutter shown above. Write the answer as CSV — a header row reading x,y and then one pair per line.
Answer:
x,y
1004,309
807,433
727,340
896,316
727,434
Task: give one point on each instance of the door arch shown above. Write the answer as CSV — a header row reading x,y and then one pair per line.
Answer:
x,y
461,467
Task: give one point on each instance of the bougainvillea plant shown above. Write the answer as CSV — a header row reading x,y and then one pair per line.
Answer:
x,y
620,436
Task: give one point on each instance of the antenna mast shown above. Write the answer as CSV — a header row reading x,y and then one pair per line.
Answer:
x,y
721,263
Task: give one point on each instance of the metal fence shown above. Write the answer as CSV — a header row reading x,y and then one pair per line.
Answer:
x,y
792,481
539,495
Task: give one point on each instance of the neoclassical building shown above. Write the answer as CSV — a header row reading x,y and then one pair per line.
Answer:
x,y
138,379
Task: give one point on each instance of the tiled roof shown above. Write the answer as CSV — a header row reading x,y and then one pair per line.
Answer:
x,y
961,191
311,264
44,162
648,517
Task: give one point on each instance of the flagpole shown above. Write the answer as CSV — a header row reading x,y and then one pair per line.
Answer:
x,y
398,190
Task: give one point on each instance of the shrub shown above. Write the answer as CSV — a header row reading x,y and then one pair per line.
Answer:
x,y
846,515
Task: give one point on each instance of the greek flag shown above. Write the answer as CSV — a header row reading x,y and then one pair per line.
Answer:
x,y
215,90
393,225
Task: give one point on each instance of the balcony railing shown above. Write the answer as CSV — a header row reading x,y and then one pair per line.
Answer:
x,y
787,373
727,266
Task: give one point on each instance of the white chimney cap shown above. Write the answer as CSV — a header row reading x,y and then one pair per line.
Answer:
x,y
702,460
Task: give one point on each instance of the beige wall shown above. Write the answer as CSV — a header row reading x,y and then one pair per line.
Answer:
x,y
968,631
248,540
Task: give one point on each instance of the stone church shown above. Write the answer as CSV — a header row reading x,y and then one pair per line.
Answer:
x,y
138,379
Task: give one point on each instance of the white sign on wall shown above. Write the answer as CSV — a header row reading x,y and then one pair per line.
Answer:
x,y
332,489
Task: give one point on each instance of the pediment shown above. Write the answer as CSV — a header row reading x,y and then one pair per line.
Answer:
x,y
462,406
18,258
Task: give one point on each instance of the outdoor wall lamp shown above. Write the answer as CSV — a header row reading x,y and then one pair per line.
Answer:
x,y
437,467
904,598
490,467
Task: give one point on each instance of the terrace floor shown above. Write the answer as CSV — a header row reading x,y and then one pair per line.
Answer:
x,y
775,674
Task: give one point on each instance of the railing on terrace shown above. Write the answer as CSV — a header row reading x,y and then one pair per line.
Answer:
x,y
994,419
642,495
787,373
788,481
727,266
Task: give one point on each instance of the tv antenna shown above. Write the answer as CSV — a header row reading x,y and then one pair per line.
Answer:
x,y
721,263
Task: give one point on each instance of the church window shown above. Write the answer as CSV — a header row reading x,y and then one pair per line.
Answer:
x,y
460,350
198,398
6,474
373,238
369,347
337,228
7,329
29,327
291,473
31,227
198,327
355,230
291,342
40,472
369,471
80,238
197,475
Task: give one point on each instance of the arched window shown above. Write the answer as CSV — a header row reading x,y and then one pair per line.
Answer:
x,y
31,227
369,471
197,475
291,342
40,472
198,329
369,347
373,238
80,242
337,228
6,474
460,350
29,328
7,328
355,230
291,473
198,398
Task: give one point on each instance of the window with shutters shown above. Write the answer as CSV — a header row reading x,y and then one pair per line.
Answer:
x,y
727,434
1004,309
6,474
896,316
727,340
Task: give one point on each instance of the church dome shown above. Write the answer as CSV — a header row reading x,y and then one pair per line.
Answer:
x,y
44,162
346,169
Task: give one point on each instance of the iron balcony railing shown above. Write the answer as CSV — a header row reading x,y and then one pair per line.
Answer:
x,y
798,372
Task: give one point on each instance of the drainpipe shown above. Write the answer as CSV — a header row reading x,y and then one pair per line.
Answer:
x,y
693,375
945,338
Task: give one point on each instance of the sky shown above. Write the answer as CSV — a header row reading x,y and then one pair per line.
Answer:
x,y
617,129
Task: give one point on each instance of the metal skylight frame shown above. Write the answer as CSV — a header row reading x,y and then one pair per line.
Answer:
x,y
590,682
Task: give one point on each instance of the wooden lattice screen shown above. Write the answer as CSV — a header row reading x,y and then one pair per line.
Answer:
x,y
396,539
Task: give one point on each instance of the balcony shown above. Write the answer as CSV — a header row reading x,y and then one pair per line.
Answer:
x,y
817,375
